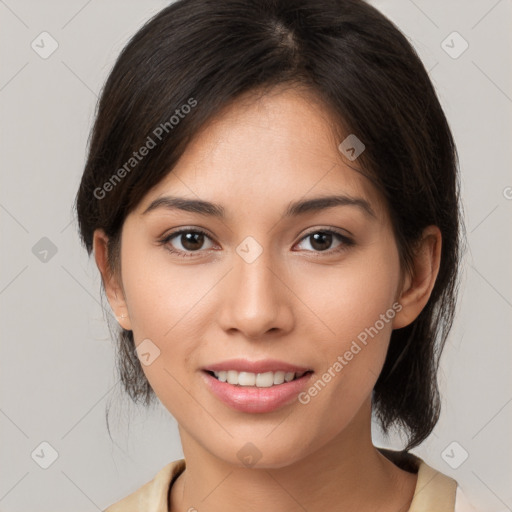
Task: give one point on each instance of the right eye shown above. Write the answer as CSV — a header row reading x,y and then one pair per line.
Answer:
x,y
191,241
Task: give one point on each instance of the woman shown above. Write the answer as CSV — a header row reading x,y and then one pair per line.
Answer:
x,y
271,196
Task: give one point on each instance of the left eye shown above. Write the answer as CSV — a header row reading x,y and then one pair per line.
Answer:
x,y
322,240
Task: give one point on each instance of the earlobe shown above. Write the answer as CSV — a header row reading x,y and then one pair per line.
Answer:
x,y
112,288
418,284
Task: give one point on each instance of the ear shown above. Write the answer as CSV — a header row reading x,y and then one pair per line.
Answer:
x,y
113,289
419,282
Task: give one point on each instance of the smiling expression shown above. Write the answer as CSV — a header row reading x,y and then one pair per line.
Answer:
x,y
262,243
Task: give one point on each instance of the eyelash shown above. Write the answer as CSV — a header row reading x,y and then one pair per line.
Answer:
x,y
346,242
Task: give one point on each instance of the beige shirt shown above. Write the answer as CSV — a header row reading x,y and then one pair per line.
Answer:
x,y
435,492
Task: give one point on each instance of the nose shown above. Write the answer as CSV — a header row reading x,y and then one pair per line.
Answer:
x,y
256,298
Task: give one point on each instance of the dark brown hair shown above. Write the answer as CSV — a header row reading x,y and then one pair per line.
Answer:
x,y
357,63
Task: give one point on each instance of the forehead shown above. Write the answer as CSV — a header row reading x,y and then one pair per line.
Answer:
x,y
266,149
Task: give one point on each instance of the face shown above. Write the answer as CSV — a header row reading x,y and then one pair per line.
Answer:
x,y
314,288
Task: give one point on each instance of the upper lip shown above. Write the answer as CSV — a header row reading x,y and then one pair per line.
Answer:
x,y
262,366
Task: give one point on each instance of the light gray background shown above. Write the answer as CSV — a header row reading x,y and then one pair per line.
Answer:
x,y
57,367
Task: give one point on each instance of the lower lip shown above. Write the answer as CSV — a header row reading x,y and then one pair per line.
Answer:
x,y
256,400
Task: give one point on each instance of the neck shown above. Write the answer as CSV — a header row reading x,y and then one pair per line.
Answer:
x,y
348,473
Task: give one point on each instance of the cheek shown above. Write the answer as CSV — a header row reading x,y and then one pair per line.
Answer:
x,y
161,295
350,298
170,306
357,305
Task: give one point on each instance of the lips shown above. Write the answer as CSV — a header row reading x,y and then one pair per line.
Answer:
x,y
254,399
259,396
263,366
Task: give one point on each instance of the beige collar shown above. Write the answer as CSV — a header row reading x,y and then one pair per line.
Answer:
x,y
434,490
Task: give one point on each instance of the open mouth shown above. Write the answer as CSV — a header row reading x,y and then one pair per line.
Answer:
x,y
259,380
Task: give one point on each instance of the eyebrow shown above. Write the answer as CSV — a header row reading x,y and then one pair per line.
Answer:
x,y
294,209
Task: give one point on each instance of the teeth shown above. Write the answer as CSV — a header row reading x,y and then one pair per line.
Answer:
x,y
260,380
289,376
279,377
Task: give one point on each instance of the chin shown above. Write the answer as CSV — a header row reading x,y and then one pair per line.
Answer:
x,y
262,452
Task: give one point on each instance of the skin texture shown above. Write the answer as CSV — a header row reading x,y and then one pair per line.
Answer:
x,y
294,303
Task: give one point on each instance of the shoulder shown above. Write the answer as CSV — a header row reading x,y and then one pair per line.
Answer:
x,y
153,495
437,490
434,490
462,504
